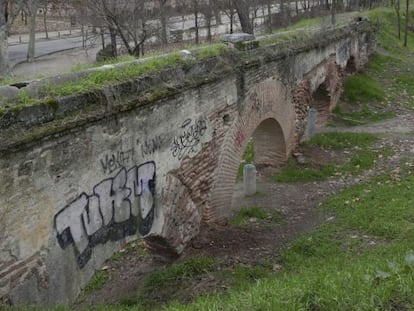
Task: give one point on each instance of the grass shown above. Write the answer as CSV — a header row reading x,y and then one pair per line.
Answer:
x,y
178,272
379,62
394,68
248,157
293,173
168,281
100,78
247,213
362,116
97,281
338,140
362,260
362,158
205,51
120,59
242,276
362,88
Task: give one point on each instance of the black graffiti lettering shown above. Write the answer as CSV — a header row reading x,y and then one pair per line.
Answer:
x,y
111,162
150,146
110,212
185,144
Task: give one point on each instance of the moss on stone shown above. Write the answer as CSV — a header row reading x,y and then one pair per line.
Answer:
x,y
52,102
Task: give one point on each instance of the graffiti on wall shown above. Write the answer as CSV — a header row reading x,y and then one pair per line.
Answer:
x,y
240,138
150,146
185,144
111,162
110,213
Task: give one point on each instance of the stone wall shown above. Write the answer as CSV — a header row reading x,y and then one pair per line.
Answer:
x,y
153,157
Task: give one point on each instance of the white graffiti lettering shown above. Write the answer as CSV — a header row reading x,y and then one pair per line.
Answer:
x,y
110,212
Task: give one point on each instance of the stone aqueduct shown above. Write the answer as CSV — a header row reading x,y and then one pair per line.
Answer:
x,y
152,157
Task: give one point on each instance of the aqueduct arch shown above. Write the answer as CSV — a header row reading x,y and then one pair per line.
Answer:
x,y
159,155
268,116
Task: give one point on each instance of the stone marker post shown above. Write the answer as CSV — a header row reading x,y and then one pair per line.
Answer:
x,y
312,119
249,179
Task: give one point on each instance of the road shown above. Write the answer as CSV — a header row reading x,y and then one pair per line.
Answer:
x,y
18,53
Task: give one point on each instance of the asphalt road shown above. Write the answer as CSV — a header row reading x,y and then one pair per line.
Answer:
x,y
18,53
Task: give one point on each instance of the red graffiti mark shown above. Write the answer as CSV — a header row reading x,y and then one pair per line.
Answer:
x,y
240,137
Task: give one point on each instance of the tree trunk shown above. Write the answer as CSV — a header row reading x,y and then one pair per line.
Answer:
x,y
333,9
396,5
217,13
269,16
208,18
242,9
195,4
83,36
102,37
163,20
32,29
45,23
407,12
4,48
231,20
112,34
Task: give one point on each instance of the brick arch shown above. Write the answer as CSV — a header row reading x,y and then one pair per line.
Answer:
x,y
268,115
269,144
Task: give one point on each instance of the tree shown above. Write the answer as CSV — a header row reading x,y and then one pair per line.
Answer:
x,y
126,19
32,6
228,8
206,9
164,20
243,12
45,5
195,12
333,11
396,5
9,9
407,13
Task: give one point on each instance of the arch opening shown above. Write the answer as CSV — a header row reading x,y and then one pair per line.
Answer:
x,y
269,144
266,149
321,101
351,66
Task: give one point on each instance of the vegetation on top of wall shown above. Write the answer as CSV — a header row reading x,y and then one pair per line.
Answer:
x,y
312,31
106,73
102,77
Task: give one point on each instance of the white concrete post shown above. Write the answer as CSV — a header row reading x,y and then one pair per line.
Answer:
x,y
312,119
249,179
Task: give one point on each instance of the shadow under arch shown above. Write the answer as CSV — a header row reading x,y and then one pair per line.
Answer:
x,y
269,144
